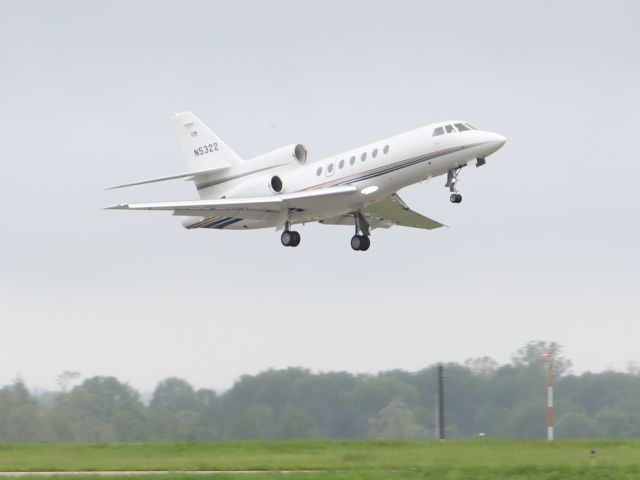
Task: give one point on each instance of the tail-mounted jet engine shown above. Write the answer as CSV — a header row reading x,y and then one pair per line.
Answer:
x,y
294,152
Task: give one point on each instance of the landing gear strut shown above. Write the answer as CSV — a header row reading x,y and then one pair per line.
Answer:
x,y
361,242
452,180
290,238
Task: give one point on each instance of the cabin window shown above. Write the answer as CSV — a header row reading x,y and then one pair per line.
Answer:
x,y
319,171
438,131
363,157
374,154
386,149
341,164
330,168
461,127
449,128
352,160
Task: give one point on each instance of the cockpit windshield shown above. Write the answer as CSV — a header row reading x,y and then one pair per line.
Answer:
x,y
452,128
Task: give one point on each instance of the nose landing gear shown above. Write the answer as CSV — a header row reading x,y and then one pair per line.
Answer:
x,y
452,180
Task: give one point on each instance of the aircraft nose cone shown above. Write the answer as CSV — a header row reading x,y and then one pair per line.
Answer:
x,y
499,141
494,142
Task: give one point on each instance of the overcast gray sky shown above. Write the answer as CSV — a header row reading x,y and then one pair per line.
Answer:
x,y
545,245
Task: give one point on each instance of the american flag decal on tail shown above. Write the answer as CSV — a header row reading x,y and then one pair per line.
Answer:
x,y
194,133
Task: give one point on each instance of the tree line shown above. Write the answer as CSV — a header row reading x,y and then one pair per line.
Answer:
x,y
482,397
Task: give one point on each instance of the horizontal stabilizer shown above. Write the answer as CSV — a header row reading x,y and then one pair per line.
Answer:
x,y
186,176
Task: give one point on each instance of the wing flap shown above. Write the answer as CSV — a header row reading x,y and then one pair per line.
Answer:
x,y
394,210
348,220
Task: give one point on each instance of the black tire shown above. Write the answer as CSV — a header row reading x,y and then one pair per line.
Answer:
x,y
453,198
286,238
459,198
366,243
356,242
295,241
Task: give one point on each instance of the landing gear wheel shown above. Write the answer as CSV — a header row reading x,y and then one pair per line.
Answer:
x,y
296,239
286,238
360,243
290,238
455,198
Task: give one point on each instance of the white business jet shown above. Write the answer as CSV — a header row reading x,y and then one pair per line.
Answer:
x,y
283,188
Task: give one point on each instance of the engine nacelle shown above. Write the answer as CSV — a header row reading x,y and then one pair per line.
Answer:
x,y
296,152
286,158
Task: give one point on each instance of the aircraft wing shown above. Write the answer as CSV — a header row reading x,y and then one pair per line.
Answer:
x,y
259,208
393,209
387,213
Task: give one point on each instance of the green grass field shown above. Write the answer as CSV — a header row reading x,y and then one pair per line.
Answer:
x,y
332,460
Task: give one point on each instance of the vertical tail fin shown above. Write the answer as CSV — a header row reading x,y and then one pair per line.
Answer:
x,y
202,148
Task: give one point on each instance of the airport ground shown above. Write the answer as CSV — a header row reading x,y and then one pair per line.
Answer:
x,y
480,459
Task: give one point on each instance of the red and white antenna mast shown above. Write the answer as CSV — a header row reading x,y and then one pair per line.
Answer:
x,y
549,364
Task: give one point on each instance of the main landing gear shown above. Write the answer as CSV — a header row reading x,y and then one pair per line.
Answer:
x,y
452,180
290,238
361,242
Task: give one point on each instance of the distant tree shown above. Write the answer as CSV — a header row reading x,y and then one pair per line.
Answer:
x,y
527,420
175,395
256,422
206,399
328,398
178,413
532,355
615,422
499,400
481,366
91,430
66,378
596,391
209,413
377,391
464,393
491,420
46,400
633,368
100,409
20,418
294,423
577,425
395,421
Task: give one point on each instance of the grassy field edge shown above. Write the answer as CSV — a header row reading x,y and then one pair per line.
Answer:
x,y
342,456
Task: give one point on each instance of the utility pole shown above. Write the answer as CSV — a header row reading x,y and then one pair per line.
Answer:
x,y
441,431
550,413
